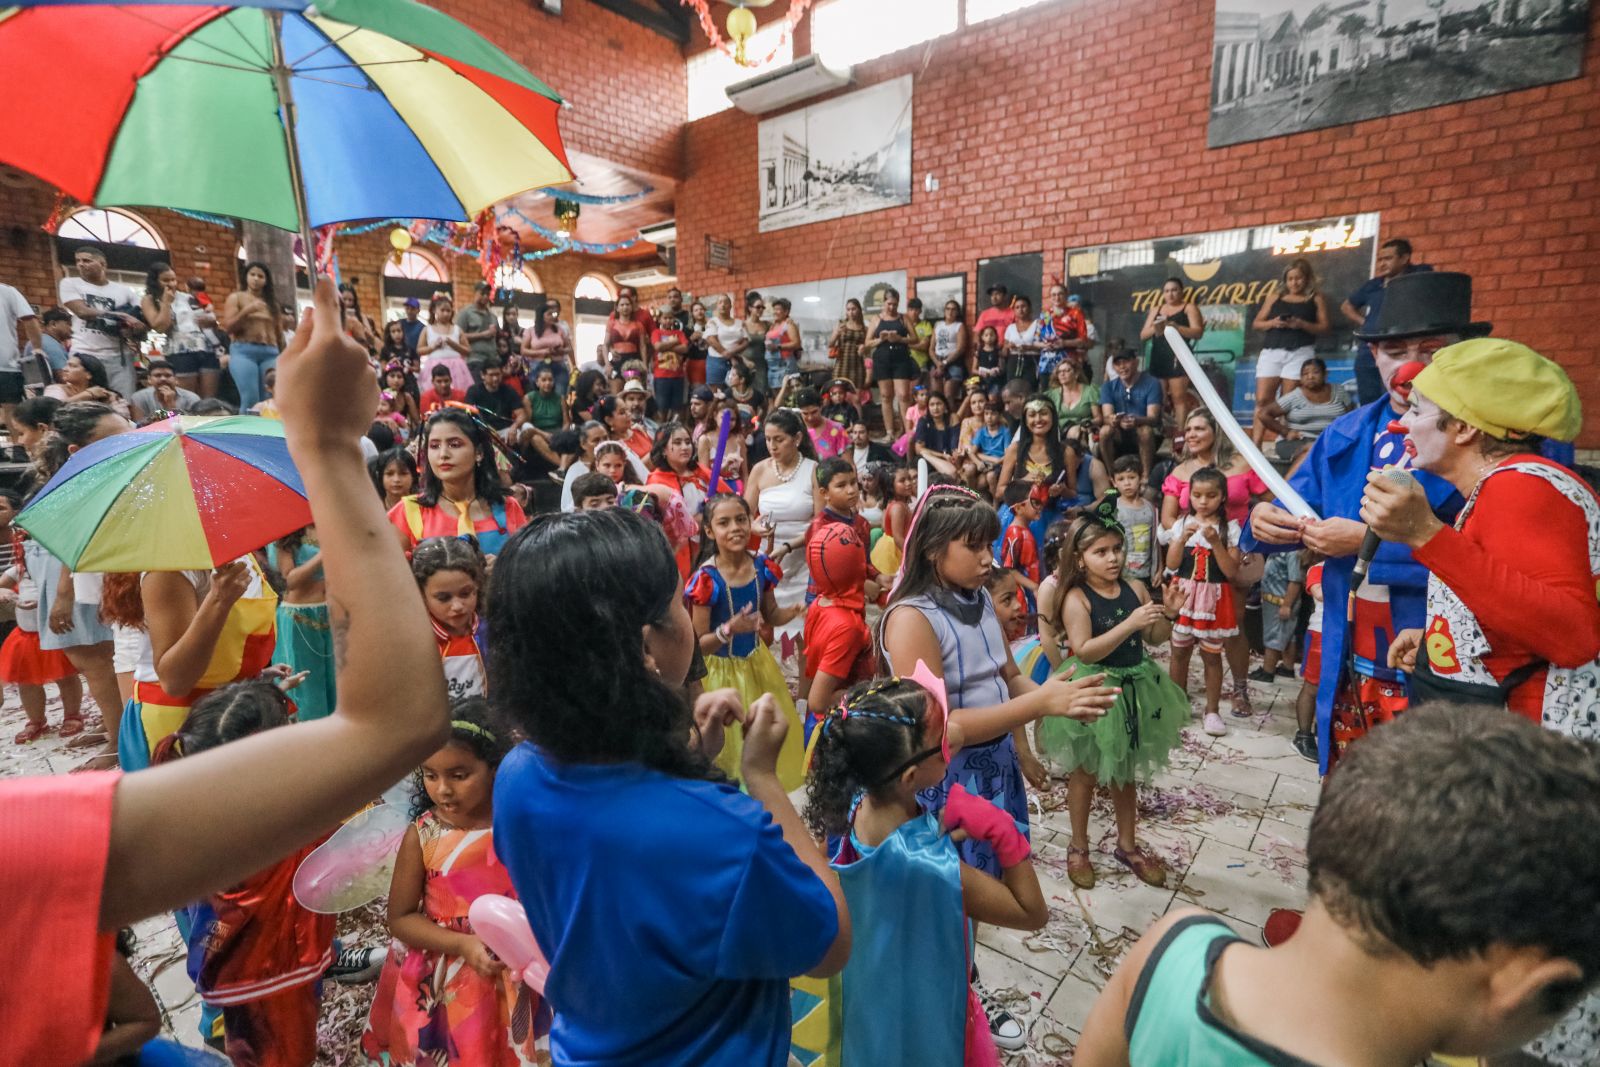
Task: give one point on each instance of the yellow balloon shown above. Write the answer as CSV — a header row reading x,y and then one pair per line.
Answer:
x,y
741,23
400,239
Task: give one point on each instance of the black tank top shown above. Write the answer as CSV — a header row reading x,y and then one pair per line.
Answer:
x,y
896,328
1278,337
1106,615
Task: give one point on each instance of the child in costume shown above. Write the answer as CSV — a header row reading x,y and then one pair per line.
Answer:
x,y
905,995
730,595
1108,619
1203,557
1018,550
890,546
254,952
940,613
1305,704
443,997
305,639
28,667
1397,903
450,573
837,642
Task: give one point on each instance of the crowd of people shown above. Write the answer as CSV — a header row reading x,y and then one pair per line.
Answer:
x,y
614,561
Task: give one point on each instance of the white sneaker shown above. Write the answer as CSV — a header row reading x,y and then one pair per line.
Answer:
x,y
1008,1033
1214,724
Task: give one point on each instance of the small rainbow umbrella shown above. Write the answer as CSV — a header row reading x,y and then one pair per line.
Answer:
x,y
186,493
278,111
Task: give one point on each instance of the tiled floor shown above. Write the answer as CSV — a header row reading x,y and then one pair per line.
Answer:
x,y
1229,815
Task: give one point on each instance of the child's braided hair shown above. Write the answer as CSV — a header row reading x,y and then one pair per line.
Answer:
x,y
864,743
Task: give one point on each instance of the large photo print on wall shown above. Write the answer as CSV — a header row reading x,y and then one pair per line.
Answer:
x,y
1229,275
1282,66
844,156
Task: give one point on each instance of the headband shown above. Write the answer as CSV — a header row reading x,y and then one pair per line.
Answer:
x,y
946,491
847,709
1102,516
474,729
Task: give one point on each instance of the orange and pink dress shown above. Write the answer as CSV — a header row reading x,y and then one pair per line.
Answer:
x,y
432,1009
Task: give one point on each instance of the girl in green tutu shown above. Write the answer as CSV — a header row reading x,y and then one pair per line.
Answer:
x,y
1107,620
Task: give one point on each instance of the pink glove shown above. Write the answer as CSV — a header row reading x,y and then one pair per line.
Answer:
x,y
982,820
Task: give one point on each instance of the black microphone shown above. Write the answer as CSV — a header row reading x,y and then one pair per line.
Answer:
x,y
1369,543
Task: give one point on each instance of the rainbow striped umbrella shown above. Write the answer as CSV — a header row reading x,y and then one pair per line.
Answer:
x,y
284,112
186,493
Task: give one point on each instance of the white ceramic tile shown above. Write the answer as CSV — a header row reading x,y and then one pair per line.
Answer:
x,y
1291,790
1239,884
1238,777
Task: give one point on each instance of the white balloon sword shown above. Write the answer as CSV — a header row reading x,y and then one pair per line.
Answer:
x,y
1259,463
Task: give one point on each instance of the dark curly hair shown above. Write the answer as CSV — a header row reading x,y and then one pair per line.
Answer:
x,y
863,748
474,728
708,544
1417,812
228,714
569,601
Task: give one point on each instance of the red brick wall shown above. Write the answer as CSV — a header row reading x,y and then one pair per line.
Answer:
x,y
1084,123
625,83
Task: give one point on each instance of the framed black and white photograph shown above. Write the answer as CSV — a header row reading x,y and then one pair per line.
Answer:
x,y
844,156
1282,66
1021,274
935,292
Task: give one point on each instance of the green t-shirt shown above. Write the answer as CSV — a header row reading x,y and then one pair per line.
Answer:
x,y
545,411
471,319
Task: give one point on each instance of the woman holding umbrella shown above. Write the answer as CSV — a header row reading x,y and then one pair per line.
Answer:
x,y
461,489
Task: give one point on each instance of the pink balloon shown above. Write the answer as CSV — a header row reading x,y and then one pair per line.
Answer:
x,y
502,924
355,865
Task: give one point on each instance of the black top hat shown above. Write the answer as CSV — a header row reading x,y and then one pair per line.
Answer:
x,y
1425,303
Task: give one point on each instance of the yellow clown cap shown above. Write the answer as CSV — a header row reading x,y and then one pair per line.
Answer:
x,y
1504,389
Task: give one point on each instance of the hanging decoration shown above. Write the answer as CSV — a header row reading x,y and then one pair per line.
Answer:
x,y
591,200
399,240
567,212
741,26
63,205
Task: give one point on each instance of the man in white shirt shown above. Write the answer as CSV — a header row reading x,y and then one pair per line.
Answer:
x,y
104,321
15,311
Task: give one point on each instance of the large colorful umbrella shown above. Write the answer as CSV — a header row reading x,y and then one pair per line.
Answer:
x,y
186,493
279,111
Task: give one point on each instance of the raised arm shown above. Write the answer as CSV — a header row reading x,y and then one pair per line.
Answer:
x,y
286,786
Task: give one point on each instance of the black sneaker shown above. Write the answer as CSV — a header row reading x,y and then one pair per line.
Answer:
x,y
1261,674
1305,743
1008,1033
353,965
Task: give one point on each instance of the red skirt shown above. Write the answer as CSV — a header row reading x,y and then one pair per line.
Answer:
x,y
23,662
1360,708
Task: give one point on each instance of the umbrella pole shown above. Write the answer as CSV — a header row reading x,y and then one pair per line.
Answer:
x,y
280,78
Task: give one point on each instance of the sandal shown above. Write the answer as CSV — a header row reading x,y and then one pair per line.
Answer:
x,y
1241,706
71,726
1147,868
31,733
1079,870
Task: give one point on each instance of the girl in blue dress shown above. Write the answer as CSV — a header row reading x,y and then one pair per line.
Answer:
x,y
940,613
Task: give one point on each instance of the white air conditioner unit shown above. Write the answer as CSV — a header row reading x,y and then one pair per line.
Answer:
x,y
661,233
643,279
774,89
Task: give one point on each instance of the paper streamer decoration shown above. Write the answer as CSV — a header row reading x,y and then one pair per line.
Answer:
x,y
502,924
922,478
355,865
1290,499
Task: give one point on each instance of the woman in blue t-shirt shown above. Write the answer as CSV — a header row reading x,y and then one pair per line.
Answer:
x,y
672,908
